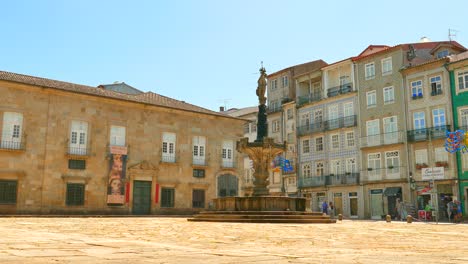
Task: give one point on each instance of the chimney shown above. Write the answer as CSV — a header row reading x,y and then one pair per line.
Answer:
x,y
221,108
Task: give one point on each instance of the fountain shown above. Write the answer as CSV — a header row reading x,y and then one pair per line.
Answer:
x,y
260,207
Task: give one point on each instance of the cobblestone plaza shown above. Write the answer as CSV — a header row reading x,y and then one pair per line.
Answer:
x,y
175,240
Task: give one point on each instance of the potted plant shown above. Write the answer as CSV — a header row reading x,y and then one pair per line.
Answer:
x,y
421,165
441,164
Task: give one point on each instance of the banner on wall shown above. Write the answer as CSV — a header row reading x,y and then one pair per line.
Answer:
x,y
117,168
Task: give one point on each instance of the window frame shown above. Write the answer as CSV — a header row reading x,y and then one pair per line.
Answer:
x,y
75,194
383,63
418,87
8,192
371,67
165,191
319,147
369,96
389,94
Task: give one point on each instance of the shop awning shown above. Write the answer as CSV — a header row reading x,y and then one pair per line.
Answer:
x,y
392,191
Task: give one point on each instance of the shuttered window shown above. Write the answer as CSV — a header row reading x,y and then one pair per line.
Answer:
x,y
198,198
167,197
8,192
77,164
75,194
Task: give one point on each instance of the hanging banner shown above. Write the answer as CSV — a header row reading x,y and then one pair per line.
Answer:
x,y
115,188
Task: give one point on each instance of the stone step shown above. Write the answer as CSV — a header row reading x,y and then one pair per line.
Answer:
x,y
265,220
259,216
263,212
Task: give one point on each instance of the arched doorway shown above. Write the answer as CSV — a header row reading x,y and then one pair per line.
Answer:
x,y
227,185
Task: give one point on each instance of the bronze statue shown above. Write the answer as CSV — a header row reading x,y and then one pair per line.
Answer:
x,y
261,88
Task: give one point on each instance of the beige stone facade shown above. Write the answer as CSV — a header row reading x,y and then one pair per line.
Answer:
x,y
39,163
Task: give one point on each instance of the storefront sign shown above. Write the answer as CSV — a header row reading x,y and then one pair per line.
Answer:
x,y
436,173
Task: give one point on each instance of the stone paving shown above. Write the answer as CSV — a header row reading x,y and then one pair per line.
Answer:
x,y
175,240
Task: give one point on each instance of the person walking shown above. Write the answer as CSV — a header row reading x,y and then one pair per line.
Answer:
x,y
325,207
331,210
449,210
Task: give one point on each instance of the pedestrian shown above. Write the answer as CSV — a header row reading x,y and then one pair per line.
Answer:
x,y
325,207
398,209
455,211
449,210
331,210
459,212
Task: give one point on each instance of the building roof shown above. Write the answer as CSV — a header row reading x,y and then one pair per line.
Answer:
x,y
302,68
120,87
236,112
146,98
458,57
417,46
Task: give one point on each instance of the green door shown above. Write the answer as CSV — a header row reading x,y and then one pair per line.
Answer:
x,y
141,197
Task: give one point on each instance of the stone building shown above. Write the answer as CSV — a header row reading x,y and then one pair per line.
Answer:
x,y
75,149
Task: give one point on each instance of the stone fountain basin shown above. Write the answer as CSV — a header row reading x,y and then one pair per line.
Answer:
x,y
260,203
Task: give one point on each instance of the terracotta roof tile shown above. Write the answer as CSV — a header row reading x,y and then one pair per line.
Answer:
x,y
147,98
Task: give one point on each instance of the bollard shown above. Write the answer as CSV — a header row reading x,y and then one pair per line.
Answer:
x,y
340,217
388,218
409,219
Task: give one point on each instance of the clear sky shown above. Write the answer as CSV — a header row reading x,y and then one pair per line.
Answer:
x,y
206,52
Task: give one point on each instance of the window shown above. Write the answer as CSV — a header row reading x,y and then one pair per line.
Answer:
x,y
373,132
387,66
227,154
420,156
333,115
8,192
75,194
289,114
440,155
350,139
78,138
274,84
436,85
76,164
370,71
392,161
390,130
167,197
462,80
305,120
275,126
348,109
416,89
335,167
442,54
389,95
198,198
318,116
117,136
198,150
253,127
335,141
319,168
168,147
199,173
464,119
419,120
11,132
351,165
438,116
373,163
305,146
306,171
319,144
371,99
284,81
290,137
246,128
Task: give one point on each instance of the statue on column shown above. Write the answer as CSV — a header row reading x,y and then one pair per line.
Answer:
x,y
261,88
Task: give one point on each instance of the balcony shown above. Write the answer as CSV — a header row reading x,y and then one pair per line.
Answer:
x,y
428,133
228,164
382,174
347,121
273,109
382,139
12,145
78,151
342,179
313,181
342,89
199,161
168,158
305,99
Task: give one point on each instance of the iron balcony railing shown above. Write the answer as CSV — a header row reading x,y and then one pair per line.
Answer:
x,y
383,139
342,89
381,174
78,151
428,133
342,179
168,158
273,109
312,97
228,164
12,145
199,161
347,121
312,181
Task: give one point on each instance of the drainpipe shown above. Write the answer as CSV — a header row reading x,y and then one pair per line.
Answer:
x,y
406,147
361,201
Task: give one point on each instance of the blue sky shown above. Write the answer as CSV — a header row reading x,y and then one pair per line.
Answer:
x,y
206,52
